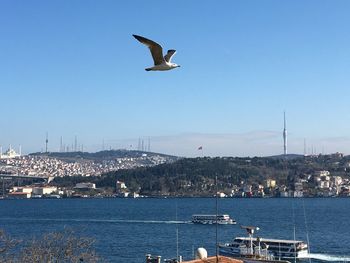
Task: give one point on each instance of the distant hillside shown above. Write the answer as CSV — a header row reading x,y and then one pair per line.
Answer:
x,y
287,156
196,176
102,155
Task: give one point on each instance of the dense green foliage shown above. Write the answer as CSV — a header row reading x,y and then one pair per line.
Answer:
x,y
196,176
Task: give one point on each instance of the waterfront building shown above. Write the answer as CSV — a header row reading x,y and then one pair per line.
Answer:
x,y
85,186
323,184
221,195
120,185
270,183
323,173
21,189
337,180
44,190
135,195
298,194
32,190
124,194
247,190
19,195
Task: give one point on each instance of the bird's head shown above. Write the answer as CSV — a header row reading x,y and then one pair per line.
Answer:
x,y
175,65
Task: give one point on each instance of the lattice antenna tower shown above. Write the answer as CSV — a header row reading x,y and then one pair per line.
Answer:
x,y
75,143
61,144
139,145
46,141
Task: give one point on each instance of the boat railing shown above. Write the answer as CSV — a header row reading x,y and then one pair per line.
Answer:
x,y
256,251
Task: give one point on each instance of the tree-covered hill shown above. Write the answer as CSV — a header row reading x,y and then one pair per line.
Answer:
x,y
196,176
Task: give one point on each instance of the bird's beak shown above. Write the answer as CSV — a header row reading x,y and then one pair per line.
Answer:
x,y
178,66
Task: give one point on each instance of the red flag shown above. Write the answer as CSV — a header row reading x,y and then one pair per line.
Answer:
x,y
200,148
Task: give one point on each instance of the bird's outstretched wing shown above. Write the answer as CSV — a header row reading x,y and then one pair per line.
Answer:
x,y
155,48
169,55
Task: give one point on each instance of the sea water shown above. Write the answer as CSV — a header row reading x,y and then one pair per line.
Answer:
x,y
127,229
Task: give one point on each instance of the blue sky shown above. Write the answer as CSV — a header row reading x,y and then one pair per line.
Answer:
x,y
72,68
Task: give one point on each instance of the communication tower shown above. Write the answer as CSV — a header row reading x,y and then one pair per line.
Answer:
x,y
285,136
46,141
75,143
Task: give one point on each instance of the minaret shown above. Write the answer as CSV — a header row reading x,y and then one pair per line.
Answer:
x,y
285,136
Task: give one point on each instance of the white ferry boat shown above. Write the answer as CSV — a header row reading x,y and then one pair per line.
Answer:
x,y
213,219
273,249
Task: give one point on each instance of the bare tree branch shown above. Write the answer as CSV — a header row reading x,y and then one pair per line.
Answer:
x,y
54,247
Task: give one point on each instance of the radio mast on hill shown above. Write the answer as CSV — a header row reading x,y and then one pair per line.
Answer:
x,y
61,144
75,143
46,141
284,135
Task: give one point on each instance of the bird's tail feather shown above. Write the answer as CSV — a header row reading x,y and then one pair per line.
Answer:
x,y
148,69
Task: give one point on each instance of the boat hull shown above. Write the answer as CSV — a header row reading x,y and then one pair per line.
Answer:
x,y
233,250
213,219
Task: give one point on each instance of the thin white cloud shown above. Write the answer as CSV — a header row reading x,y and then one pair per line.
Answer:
x,y
243,144
253,143
340,139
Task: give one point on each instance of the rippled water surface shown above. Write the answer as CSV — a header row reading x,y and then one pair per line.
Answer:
x,y
127,229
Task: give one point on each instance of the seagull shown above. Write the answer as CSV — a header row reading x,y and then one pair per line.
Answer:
x,y
160,62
